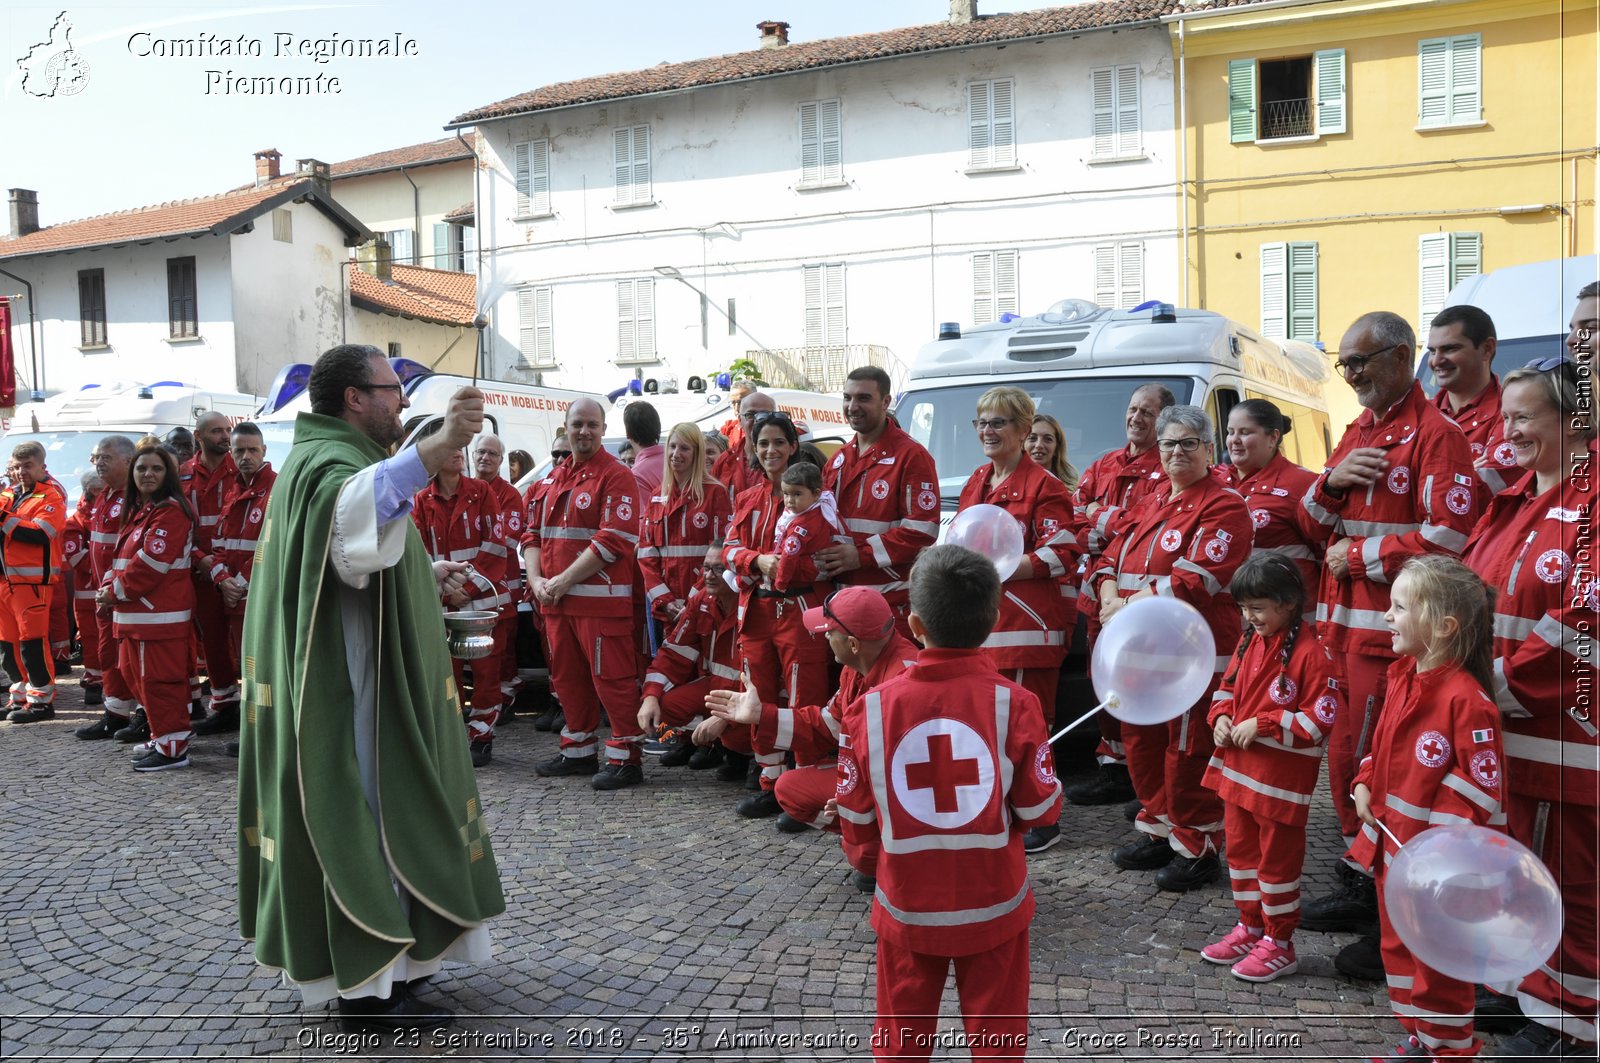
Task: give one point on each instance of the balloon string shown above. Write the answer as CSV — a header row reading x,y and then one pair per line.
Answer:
x,y
1112,700
1398,844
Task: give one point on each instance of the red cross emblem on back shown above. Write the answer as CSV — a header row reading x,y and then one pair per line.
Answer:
x,y
943,773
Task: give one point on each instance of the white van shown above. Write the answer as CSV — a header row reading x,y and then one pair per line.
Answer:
x,y
70,424
814,413
1080,363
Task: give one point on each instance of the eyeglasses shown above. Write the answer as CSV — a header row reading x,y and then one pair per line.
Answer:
x,y
1358,363
772,417
827,611
1188,444
1554,362
991,424
398,389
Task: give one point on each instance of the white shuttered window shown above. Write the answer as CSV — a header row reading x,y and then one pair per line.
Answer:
x,y
630,159
994,285
825,320
1115,92
1289,290
1119,275
821,146
1444,260
636,321
991,124
1450,80
535,335
531,160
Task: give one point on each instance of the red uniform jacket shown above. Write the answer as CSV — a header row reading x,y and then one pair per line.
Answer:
x,y
75,553
702,643
889,504
105,524
1036,615
1479,420
812,731
30,530
154,600
207,492
942,768
803,536
1118,481
750,532
1294,708
736,472
673,538
238,529
1436,758
592,505
1187,548
1528,548
1424,504
508,508
1280,521
463,528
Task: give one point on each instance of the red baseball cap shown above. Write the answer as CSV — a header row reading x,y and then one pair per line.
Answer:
x,y
861,612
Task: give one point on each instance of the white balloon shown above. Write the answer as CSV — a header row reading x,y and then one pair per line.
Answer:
x,y
1153,661
1473,903
990,531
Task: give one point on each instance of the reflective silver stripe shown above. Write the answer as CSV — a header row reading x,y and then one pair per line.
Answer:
x,y
25,570
1162,585
1314,752
870,527
1503,698
1357,619
1372,559
1035,811
83,596
1552,751
1406,808
206,522
722,671
1280,887
605,555
958,917
1376,529
1571,642
785,733
159,566
1280,909
627,537
677,551
657,591
1318,513
1487,802
926,527
613,590
1052,562
466,553
999,639
1449,538
103,538
1183,564
1507,626
645,553
853,816
657,678
688,653
237,544
580,534
493,549
880,553
1132,583
1297,553
180,617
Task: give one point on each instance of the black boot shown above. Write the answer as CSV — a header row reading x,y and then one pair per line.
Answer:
x,y
224,721
137,729
1110,786
397,1012
107,725
1352,907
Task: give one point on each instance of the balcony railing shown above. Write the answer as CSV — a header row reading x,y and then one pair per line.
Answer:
x,y
1285,118
820,368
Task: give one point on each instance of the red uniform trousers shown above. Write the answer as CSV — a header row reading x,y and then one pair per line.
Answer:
x,y
1041,683
784,658
490,675
593,665
159,672
1445,1024
211,624
992,985
88,639
1265,858
1365,680
1166,762
1110,749
805,792
1561,993
686,703
119,694
61,619
25,617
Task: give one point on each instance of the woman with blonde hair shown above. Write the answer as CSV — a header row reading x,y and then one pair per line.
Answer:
x,y
689,514
1047,446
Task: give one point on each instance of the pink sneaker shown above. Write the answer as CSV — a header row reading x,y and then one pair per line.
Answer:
x,y
1268,960
1235,946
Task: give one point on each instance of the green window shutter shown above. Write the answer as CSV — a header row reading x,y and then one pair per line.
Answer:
x,y
1241,100
441,246
1466,78
1303,291
1433,81
1275,290
1466,256
1332,106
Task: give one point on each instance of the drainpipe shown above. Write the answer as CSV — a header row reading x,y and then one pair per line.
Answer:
x,y
33,336
477,252
416,211
1183,154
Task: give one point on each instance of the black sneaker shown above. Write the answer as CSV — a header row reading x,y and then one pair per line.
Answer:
x,y
397,1013
789,825
863,883
1496,1012
759,805
1146,854
107,725
197,710
733,766
1538,1041
1361,959
551,719
1038,839
232,750
33,714
561,765
137,729
94,695
482,753
224,721
155,760
1352,907
681,753
1186,873
752,775
617,777
1110,786
705,757
1131,810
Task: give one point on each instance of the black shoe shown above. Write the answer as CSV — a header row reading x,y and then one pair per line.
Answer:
x,y
1361,959
1537,1041
63,667
1038,839
1146,854
789,825
482,753
1352,907
1131,810
759,805
136,729
224,721
399,1011
197,710
617,777
92,696
705,757
33,714
1186,873
155,760
863,883
752,775
733,767
678,755
1110,786
560,765
1496,1012
551,719
107,725
232,750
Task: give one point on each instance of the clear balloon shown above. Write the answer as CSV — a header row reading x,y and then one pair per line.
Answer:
x,y
1153,661
1473,903
990,531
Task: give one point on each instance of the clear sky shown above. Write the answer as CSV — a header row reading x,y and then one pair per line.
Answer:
x,y
145,127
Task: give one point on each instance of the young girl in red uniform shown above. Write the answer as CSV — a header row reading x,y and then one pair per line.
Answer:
x,y
1270,717
1436,758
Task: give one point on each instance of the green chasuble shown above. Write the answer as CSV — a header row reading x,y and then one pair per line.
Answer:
x,y
317,870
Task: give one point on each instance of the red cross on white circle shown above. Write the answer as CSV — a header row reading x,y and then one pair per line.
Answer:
x,y
943,773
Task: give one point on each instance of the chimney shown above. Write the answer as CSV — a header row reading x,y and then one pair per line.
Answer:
x,y
963,12
266,165
773,34
374,257
315,169
24,211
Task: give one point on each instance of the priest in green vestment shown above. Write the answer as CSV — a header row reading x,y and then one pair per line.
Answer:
x,y
364,855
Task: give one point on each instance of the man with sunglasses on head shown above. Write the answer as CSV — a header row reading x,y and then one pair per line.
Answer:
x,y
736,468
1461,349
1400,484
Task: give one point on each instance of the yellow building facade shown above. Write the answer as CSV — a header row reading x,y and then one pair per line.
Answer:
x,y
1341,156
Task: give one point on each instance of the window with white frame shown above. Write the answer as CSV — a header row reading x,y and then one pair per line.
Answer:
x,y
825,318
1287,97
1289,290
1444,260
994,285
531,163
636,321
452,247
1450,80
535,332
402,246
1119,275
991,124
821,145
630,160
1115,94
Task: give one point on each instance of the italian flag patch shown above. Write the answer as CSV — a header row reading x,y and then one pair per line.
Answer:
x,y
1484,735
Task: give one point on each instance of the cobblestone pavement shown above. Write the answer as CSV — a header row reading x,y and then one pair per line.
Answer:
x,y
648,923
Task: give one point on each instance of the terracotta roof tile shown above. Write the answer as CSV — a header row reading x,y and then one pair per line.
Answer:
x,y
442,296
447,150
808,55
461,213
